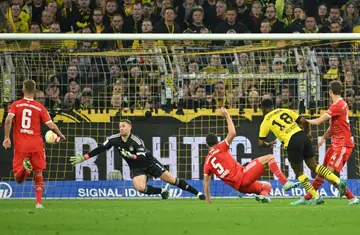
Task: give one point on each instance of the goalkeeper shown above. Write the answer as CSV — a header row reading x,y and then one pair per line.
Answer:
x,y
140,161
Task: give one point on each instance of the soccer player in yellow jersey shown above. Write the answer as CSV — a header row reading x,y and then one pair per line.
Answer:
x,y
286,125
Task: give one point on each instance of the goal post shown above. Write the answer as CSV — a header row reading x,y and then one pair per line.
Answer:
x,y
170,87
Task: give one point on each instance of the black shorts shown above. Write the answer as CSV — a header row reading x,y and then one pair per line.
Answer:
x,y
300,148
154,169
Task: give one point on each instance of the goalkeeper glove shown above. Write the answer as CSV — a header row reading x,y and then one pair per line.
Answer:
x,y
127,154
79,159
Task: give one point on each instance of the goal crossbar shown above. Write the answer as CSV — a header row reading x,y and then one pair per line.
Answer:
x,y
193,37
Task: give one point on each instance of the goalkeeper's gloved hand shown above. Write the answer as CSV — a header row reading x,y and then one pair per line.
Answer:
x,y
78,159
127,154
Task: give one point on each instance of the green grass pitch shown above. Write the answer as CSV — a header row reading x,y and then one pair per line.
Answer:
x,y
172,217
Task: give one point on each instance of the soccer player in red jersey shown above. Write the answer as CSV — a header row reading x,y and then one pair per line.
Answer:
x,y
29,154
242,178
341,142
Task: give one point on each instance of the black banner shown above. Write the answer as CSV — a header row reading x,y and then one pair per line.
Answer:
x,y
178,145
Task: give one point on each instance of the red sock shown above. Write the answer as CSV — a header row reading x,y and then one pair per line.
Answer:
x,y
39,185
274,168
265,190
349,195
318,181
21,176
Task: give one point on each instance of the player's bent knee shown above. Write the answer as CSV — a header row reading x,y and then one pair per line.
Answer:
x,y
140,188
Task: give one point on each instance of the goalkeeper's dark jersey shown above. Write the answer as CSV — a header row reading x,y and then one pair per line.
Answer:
x,y
135,145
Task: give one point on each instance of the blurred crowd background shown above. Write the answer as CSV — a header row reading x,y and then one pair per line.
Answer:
x,y
177,75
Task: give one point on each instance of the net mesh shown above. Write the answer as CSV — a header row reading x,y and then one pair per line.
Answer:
x,y
171,92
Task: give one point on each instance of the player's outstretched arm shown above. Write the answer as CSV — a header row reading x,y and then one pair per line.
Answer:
x,y
207,179
52,126
231,127
7,128
80,158
319,120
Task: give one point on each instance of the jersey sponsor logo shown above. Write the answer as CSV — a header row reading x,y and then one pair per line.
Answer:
x,y
26,131
5,190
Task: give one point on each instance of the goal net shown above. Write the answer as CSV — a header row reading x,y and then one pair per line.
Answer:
x,y
171,91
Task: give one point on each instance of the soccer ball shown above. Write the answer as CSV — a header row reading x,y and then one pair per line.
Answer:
x,y
51,137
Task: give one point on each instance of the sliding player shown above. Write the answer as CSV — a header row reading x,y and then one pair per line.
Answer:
x,y
341,142
244,179
29,153
140,161
284,123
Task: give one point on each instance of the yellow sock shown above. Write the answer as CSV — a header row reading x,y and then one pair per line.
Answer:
x,y
327,174
304,180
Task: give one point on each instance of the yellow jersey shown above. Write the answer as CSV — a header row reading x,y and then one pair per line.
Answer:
x,y
282,123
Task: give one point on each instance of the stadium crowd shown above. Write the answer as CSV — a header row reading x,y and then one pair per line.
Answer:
x,y
138,78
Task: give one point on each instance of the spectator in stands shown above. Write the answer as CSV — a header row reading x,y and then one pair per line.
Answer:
x,y
117,100
115,73
25,14
70,101
53,8
276,25
286,14
147,11
52,99
215,66
299,21
35,28
126,8
209,7
159,11
219,95
230,26
111,8
351,15
322,16
74,87
16,24
97,26
133,23
356,66
221,8
234,97
82,17
116,27
47,19
335,17
265,27
67,15
253,21
86,99
40,97
198,100
197,21
351,83
253,98
310,25
55,28
185,12
167,25
36,9
193,67
333,71
285,100
242,10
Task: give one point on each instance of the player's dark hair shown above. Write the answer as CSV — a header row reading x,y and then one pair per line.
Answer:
x,y
126,120
335,87
211,140
29,85
267,104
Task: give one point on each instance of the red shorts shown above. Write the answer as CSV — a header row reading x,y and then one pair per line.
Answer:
x,y
37,160
336,157
251,173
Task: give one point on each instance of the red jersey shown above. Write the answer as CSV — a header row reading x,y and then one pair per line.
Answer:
x,y
29,115
220,163
340,124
